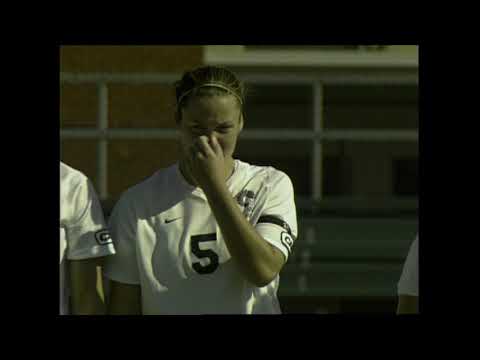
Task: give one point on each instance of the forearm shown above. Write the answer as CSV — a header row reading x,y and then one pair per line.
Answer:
x,y
85,296
258,260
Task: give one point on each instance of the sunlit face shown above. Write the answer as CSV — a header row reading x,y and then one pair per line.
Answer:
x,y
219,116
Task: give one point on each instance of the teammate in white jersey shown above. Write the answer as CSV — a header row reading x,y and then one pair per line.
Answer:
x,y
210,234
84,240
408,283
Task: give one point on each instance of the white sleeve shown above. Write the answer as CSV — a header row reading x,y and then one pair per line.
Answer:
x,y
123,267
86,232
408,284
277,223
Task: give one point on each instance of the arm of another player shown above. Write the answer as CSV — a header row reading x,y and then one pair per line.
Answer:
x,y
88,243
121,270
85,296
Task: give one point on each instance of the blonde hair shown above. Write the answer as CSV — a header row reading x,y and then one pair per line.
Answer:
x,y
208,81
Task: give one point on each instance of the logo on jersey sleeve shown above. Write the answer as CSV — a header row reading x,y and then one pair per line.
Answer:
x,y
286,237
287,241
287,227
103,237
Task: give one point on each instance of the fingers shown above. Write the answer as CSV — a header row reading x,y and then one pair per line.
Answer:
x,y
217,149
202,145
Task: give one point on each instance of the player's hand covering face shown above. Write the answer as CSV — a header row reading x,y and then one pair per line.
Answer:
x,y
209,130
205,161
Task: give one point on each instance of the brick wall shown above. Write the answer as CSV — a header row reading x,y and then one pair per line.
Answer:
x,y
130,106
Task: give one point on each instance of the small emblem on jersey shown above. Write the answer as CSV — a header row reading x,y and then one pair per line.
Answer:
x,y
287,240
167,221
103,237
246,199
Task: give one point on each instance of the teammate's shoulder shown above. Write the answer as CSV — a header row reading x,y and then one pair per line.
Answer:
x,y
71,175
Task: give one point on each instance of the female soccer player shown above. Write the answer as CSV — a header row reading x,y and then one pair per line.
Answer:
x,y
84,241
210,234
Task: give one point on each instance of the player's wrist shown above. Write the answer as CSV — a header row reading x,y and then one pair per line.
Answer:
x,y
214,187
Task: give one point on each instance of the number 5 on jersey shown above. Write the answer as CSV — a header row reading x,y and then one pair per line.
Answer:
x,y
199,253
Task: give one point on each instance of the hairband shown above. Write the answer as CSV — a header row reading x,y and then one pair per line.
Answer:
x,y
210,85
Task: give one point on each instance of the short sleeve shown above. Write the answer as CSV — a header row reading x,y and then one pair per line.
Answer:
x,y
123,267
408,284
277,223
86,233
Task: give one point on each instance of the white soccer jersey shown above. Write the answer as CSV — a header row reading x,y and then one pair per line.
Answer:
x,y
168,242
83,232
408,284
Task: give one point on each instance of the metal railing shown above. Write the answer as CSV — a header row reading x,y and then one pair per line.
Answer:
x,y
317,136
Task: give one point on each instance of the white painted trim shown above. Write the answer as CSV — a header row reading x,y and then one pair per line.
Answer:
x,y
240,56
